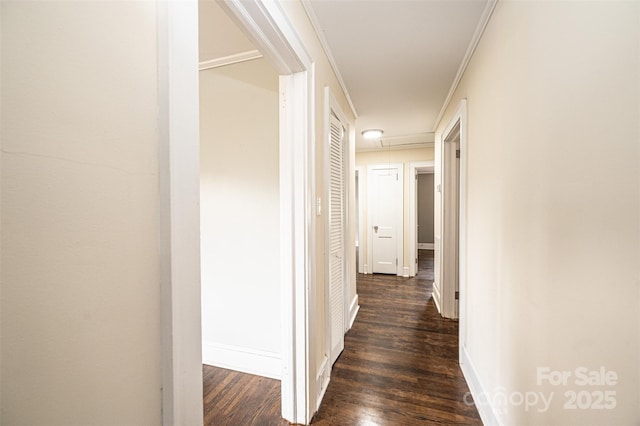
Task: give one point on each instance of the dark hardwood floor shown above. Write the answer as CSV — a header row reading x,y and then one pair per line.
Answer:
x,y
238,399
399,366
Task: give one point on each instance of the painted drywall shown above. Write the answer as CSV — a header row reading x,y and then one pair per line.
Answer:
x,y
404,156
80,305
425,208
214,26
240,217
553,208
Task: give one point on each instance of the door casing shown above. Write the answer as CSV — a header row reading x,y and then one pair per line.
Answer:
x,y
269,29
446,266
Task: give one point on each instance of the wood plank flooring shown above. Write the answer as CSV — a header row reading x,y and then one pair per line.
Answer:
x,y
238,399
399,366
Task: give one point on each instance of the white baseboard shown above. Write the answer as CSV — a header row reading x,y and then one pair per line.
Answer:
x,y
405,272
246,360
426,246
366,269
486,411
353,310
436,296
322,381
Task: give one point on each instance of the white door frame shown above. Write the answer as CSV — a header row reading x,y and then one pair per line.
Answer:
x,y
413,211
361,197
447,265
269,28
399,215
331,106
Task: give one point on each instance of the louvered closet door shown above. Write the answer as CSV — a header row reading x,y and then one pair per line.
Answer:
x,y
336,237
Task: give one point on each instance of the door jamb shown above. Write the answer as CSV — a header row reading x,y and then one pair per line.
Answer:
x,y
269,28
362,268
179,213
399,215
413,211
448,287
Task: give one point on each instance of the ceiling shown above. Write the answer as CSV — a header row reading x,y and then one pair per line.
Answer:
x,y
398,60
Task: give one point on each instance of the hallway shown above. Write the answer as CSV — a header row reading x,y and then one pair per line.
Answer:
x,y
399,366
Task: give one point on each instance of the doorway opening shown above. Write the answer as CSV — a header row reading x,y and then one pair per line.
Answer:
x,y
266,25
451,222
239,221
425,216
450,234
421,213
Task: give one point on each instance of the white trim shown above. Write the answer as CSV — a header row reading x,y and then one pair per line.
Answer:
x,y
451,237
366,269
399,215
437,296
405,272
311,14
268,27
229,60
179,213
447,266
332,106
397,147
354,308
486,411
362,268
413,211
426,246
294,259
473,44
322,380
324,373
246,360
461,112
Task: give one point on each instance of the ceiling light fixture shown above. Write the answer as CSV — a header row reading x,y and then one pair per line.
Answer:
x,y
372,133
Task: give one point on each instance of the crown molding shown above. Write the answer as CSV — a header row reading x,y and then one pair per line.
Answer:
x,y
473,44
313,18
229,60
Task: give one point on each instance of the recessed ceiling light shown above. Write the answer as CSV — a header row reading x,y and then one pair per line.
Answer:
x,y
372,133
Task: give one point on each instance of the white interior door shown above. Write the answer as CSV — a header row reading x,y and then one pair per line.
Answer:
x,y
385,207
336,236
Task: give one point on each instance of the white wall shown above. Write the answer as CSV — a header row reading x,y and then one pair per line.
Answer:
x,y
218,35
404,156
240,217
553,202
80,310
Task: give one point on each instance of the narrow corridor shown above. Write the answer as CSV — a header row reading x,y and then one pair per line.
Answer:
x,y
399,366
